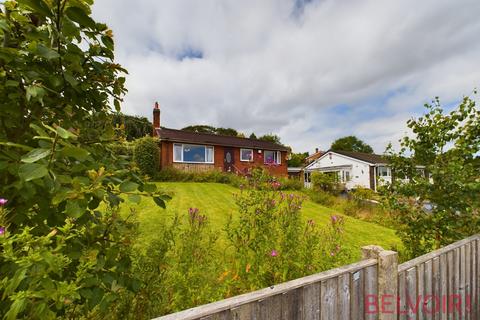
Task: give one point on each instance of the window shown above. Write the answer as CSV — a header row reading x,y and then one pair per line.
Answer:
x,y
383,172
192,153
246,155
272,157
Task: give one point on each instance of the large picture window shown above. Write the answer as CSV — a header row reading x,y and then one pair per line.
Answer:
x,y
246,155
272,157
192,153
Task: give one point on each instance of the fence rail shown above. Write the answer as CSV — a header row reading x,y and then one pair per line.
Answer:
x,y
439,285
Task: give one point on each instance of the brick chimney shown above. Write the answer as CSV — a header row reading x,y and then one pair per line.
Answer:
x,y
156,118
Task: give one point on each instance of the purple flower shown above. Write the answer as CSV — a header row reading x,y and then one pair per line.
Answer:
x,y
3,202
2,231
334,219
274,253
273,203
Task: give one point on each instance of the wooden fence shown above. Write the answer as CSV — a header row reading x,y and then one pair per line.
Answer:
x,y
443,284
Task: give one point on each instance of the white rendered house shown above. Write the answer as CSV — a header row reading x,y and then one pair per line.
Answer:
x,y
354,169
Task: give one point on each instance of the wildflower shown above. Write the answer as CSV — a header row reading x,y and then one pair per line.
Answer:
x,y
276,184
248,267
334,218
2,231
332,254
310,222
273,203
3,202
274,253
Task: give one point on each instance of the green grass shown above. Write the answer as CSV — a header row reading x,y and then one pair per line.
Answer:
x,y
217,202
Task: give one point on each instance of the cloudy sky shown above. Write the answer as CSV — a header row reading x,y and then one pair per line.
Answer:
x,y
308,70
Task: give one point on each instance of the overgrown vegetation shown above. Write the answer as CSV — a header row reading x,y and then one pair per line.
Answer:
x,y
64,248
132,127
266,243
436,192
146,154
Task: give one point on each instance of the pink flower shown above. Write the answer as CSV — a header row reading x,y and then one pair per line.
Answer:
x,y
274,253
334,219
2,231
3,202
276,184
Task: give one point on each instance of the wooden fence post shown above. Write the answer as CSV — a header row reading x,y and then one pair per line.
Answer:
x,y
387,282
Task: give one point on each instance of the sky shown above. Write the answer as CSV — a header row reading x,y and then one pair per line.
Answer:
x,y
310,71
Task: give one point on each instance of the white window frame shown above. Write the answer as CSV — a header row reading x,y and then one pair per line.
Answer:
x,y
246,160
388,171
277,157
196,145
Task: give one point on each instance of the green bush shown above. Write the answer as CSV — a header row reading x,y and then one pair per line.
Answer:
x,y
146,154
326,182
321,197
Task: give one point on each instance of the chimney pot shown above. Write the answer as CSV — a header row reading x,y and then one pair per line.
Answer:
x,y
316,150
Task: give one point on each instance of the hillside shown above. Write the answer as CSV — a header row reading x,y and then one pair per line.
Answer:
x,y
216,201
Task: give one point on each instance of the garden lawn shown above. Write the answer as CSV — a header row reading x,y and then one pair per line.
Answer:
x,y
217,202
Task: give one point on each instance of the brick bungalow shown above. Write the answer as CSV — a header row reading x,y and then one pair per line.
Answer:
x,y
200,152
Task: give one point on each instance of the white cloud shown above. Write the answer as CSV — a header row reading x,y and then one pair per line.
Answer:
x,y
266,69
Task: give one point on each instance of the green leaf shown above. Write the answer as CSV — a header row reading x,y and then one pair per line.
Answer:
x,y
32,171
35,91
149,187
65,134
75,152
160,202
36,154
47,52
128,186
75,208
16,145
39,6
38,130
135,198
78,15
108,42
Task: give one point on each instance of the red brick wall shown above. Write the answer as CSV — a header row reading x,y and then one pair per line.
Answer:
x,y
241,166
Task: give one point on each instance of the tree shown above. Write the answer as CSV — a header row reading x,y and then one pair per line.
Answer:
x,y
297,159
351,143
270,137
437,200
133,127
64,247
212,130
253,136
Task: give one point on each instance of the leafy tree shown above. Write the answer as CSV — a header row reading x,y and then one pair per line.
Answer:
x,y
270,137
133,127
351,143
227,132
212,130
65,248
438,202
200,129
253,136
297,159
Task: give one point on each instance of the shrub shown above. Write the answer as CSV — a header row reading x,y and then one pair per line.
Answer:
x,y
321,197
146,155
271,242
326,182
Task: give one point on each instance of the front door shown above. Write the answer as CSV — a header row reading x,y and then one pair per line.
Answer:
x,y
228,160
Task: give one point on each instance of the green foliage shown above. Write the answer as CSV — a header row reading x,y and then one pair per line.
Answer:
x,y
272,243
271,138
212,130
297,159
132,127
445,145
326,182
351,143
146,155
252,136
172,174
321,197
65,250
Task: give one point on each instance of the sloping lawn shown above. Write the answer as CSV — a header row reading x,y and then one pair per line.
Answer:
x,y
217,202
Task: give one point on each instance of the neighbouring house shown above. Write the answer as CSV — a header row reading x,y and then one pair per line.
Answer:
x,y
353,169
295,173
200,152
317,154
